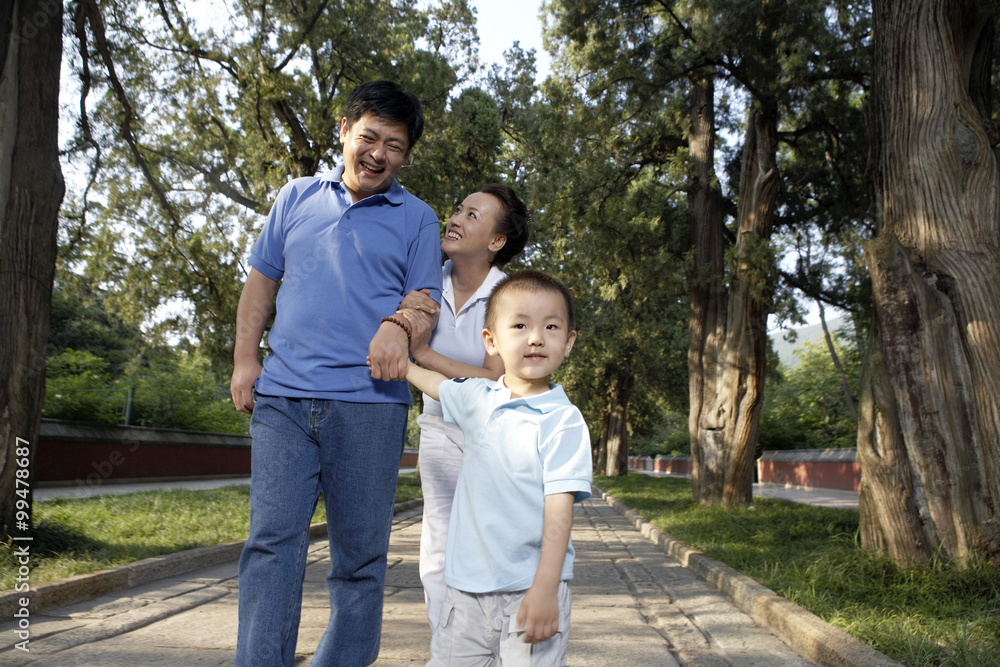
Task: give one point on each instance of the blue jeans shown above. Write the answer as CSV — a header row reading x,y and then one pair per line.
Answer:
x,y
350,452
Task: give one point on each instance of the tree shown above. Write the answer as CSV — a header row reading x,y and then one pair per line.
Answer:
x,y
31,188
681,65
603,226
930,410
191,126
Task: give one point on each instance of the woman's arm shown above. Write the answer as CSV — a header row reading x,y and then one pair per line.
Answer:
x,y
421,352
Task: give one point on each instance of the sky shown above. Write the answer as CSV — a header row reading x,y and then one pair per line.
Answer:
x,y
500,24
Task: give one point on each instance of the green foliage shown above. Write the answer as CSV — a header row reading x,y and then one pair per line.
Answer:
x,y
180,391
80,320
461,155
607,230
807,409
79,387
171,387
616,159
412,428
175,390
936,614
672,438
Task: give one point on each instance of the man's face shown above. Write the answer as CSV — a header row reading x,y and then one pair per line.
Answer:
x,y
374,150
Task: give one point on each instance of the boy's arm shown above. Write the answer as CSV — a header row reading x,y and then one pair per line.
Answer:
x,y
425,380
539,613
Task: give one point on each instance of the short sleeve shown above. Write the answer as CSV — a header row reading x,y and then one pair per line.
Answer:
x,y
566,460
424,256
450,395
268,253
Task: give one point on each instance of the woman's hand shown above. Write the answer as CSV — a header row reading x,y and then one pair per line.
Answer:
x,y
420,301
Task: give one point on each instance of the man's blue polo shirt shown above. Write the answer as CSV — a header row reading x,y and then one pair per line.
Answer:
x,y
516,453
343,267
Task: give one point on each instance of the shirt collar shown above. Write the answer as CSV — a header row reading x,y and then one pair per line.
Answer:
x,y
394,195
545,402
484,290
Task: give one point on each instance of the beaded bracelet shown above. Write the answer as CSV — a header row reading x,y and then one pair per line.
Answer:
x,y
399,323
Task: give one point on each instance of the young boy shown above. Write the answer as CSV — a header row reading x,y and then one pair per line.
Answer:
x,y
527,460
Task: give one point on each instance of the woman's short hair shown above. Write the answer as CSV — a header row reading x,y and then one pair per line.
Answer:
x,y
512,222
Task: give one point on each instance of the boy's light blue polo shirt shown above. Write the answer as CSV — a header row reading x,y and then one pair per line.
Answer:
x,y
516,452
343,267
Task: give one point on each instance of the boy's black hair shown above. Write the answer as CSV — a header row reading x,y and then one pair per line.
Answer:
x,y
512,222
528,281
385,99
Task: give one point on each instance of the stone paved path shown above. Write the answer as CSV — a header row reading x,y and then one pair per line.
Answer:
x,y
632,606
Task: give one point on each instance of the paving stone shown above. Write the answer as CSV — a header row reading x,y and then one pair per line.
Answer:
x,y
632,606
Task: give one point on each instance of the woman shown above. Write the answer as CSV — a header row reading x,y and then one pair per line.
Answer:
x,y
486,231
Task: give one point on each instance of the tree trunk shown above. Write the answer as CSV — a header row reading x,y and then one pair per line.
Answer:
x,y
728,335
31,190
600,447
613,431
706,293
929,422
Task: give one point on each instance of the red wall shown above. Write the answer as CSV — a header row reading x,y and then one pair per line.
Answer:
x,y
88,454
812,468
673,465
843,475
91,462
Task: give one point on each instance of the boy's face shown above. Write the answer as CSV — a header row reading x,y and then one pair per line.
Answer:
x,y
532,337
374,150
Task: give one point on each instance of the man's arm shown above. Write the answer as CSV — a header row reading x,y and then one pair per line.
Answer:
x,y
388,355
539,613
388,351
252,314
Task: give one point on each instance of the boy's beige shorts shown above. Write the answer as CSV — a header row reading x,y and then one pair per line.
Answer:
x,y
475,627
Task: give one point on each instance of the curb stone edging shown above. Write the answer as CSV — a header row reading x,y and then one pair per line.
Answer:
x,y
804,631
808,634
83,587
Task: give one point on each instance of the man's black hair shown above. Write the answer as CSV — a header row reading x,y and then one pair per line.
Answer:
x,y
385,99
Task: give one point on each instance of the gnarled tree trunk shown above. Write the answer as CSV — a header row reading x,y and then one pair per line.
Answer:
x,y
728,336
31,189
929,420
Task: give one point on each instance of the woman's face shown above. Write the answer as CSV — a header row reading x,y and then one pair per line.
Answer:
x,y
471,229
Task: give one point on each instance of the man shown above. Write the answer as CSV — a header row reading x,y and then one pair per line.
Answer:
x,y
346,246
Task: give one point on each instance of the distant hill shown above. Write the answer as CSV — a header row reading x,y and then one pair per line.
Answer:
x,y
810,332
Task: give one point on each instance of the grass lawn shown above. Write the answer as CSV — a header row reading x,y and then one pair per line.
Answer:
x,y
79,535
939,614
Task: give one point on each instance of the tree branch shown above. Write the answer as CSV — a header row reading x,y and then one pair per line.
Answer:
x,y
91,14
302,38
